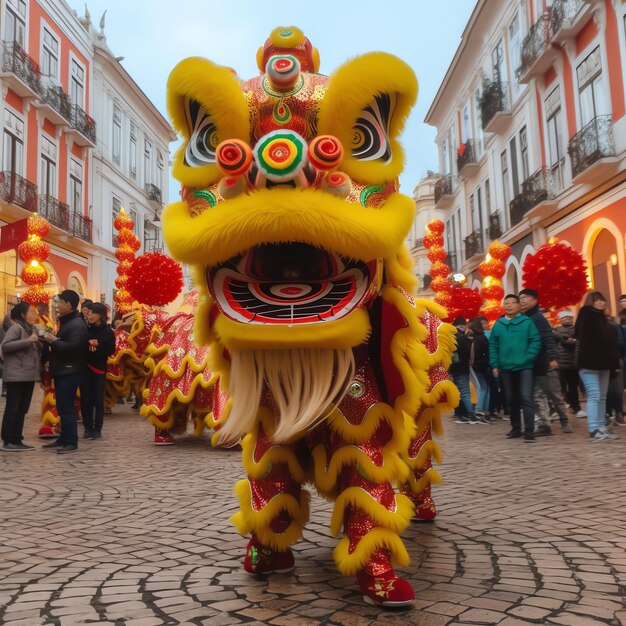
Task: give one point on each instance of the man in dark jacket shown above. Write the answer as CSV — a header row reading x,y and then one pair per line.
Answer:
x,y
68,360
566,356
547,386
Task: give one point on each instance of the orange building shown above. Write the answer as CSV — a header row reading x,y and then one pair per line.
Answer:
x,y
531,132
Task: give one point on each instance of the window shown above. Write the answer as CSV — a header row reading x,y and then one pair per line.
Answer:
x,y
453,239
132,152
499,63
487,197
116,146
556,150
160,168
515,51
523,146
514,166
48,168
147,162
591,93
13,144
478,123
76,187
15,22
77,85
50,55
116,207
466,125
506,190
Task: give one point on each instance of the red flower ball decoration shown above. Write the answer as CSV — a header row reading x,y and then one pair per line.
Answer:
x,y
36,295
123,221
125,253
155,279
33,249
500,251
493,292
128,238
493,268
430,240
34,274
439,270
558,273
38,225
436,226
436,254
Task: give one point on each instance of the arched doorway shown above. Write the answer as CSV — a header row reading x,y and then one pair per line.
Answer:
x,y
605,268
511,280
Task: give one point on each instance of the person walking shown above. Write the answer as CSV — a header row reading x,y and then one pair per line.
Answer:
x,y
566,357
479,363
459,371
547,385
68,360
22,369
615,394
597,357
101,347
514,344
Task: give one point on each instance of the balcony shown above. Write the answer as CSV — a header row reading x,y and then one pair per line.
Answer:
x,y
592,150
567,18
537,55
19,71
467,161
495,107
494,230
82,127
474,245
81,226
154,194
535,197
54,103
443,192
15,189
57,213
418,244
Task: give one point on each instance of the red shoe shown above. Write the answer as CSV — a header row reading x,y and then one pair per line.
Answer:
x,y
48,432
260,560
163,438
385,590
425,511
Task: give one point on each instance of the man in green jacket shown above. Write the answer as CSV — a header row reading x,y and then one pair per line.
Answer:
x,y
514,343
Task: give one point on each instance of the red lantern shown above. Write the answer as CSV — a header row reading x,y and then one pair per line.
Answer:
x,y
34,274
436,254
125,253
33,249
493,268
36,295
155,279
493,292
439,270
38,225
436,226
499,251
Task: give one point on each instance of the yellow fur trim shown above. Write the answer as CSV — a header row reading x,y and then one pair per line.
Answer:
x,y
430,448
399,271
247,520
350,90
396,520
268,216
349,564
219,91
430,477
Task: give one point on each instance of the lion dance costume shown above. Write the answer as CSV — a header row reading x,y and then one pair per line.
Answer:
x,y
292,221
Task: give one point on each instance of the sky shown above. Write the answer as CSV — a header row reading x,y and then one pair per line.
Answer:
x,y
153,37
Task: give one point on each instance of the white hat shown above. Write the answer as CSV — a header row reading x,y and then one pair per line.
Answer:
x,y
562,314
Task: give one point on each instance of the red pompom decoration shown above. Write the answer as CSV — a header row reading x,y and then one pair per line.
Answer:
x,y
33,249
436,226
123,221
465,302
430,240
38,225
558,273
124,253
499,251
439,270
436,253
493,292
155,279
493,268
36,295
34,274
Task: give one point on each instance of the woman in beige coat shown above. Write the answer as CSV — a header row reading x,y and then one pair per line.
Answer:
x,y
22,364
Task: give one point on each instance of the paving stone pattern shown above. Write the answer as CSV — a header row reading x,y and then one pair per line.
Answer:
x,y
127,533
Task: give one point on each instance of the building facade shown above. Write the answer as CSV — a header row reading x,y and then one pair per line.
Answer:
x,y
531,134
57,141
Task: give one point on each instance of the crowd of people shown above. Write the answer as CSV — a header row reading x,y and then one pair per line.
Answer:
x,y
74,357
528,372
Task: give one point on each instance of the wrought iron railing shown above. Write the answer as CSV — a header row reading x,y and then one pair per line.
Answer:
x,y
535,189
18,190
594,141
467,154
494,231
474,244
81,226
83,123
153,193
494,99
55,97
443,187
56,212
563,13
534,44
17,61
451,261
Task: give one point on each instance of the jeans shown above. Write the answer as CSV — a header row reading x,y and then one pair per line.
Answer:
x,y
92,400
518,388
462,383
569,388
65,388
483,392
547,389
596,384
19,395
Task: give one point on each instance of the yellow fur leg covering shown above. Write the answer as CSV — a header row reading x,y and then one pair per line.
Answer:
x,y
248,520
349,564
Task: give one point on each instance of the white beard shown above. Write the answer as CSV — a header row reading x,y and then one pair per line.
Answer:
x,y
304,384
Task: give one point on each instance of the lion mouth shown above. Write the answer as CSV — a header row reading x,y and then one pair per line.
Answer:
x,y
290,283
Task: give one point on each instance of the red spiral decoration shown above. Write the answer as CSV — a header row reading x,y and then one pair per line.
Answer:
x,y
155,279
233,157
325,152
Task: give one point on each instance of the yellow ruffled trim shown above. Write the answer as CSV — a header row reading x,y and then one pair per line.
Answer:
x,y
396,520
429,451
349,564
248,520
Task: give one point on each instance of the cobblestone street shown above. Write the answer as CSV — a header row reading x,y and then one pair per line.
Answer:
x,y
127,533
